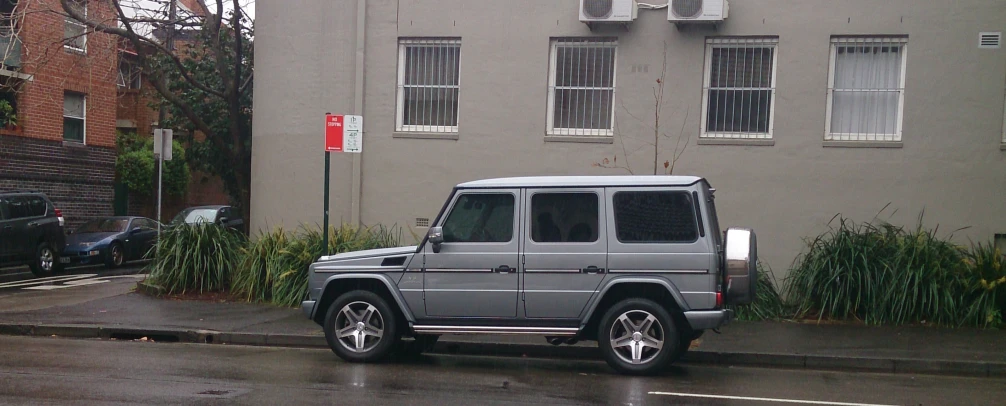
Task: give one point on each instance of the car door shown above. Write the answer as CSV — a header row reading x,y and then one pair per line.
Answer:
x,y
6,233
565,252
22,243
146,238
475,272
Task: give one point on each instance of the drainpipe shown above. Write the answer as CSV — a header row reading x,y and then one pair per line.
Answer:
x,y
361,33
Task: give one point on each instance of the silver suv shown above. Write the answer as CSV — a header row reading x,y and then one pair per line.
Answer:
x,y
636,263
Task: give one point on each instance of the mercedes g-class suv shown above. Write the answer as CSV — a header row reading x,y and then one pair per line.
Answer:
x,y
637,263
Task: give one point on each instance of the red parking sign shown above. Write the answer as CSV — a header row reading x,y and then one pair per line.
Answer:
x,y
333,133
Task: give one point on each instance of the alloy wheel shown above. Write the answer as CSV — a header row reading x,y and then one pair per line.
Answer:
x,y
637,337
45,259
359,327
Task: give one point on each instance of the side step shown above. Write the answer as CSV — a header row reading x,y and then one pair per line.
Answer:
x,y
547,331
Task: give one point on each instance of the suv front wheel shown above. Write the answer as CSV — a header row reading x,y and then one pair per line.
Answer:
x,y
361,327
637,337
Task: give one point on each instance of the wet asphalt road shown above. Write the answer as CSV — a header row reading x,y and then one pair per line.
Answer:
x,y
91,372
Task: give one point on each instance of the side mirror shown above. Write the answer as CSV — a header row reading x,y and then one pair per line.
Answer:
x,y
224,220
436,237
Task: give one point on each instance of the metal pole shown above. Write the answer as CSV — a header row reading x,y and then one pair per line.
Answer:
x,y
324,227
160,177
162,112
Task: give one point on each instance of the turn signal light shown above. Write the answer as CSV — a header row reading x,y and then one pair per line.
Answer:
x,y
719,299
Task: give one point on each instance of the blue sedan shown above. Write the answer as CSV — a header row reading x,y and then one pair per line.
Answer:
x,y
110,240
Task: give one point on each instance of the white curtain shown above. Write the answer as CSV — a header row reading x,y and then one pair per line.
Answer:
x,y
866,90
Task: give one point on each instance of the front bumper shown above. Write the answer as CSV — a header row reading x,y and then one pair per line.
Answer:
x,y
307,307
709,319
94,256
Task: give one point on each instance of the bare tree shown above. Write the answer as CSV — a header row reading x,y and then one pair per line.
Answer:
x,y
658,104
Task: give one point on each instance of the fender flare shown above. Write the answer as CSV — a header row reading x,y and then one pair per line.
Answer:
x,y
666,284
388,283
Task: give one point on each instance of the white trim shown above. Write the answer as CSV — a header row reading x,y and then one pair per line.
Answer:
x,y
757,399
586,42
744,43
400,87
83,36
867,137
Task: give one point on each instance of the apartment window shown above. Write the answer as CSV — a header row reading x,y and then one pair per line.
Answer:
x,y
74,105
129,75
738,98
581,87
866,89
75,32
428,85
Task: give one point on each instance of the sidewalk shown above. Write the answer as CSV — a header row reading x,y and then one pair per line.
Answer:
x,y
778,344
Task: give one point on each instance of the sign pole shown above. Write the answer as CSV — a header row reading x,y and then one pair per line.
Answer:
x,y
324,230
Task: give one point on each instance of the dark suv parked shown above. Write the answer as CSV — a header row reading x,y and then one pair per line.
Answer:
x,y
31,232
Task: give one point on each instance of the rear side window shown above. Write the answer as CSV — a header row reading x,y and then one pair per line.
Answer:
x,y
655,217
36,206
564,217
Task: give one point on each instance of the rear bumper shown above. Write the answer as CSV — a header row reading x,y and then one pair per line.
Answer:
x,y
307,307
709,319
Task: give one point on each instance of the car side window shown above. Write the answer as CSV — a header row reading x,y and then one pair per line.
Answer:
x,y
36,206
564,217
18,207
4,210
480,218
655,217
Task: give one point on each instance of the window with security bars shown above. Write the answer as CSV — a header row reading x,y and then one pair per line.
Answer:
x,y
866,89
428,85
75,32
739,88
581,87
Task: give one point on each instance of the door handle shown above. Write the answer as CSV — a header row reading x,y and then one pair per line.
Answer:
x,y
7,227
504,269
592,269
32,224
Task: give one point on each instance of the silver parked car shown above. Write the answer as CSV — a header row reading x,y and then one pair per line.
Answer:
x,y
636,263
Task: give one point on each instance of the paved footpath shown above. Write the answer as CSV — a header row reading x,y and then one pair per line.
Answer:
x,y
112,310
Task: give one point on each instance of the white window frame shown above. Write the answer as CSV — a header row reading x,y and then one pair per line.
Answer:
x,y
133,80
83,118
760,42
866,137
553,52
83,37
400,126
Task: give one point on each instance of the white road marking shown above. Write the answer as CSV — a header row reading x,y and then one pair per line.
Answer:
x,y
42,281
805,402
70,284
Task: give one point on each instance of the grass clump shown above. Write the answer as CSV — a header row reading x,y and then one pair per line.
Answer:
x,y
196,258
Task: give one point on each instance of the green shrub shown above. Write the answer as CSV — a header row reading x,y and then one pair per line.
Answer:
x,y
196,258
274,267
985,285
885,274
768,303
135,167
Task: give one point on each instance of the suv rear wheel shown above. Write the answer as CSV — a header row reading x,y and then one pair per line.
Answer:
x,y
638,337
45,262
361,327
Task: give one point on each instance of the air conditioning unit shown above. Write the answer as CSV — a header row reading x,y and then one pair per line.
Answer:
x,y
696,11
610,11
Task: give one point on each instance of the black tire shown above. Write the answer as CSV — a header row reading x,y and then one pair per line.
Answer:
x,y
418,345
683,345
116,256
373,348
661,329
45,262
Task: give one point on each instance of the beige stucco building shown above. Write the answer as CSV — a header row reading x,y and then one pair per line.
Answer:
x,y
794,110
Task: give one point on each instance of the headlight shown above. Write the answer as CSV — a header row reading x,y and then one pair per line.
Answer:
x,y
93,253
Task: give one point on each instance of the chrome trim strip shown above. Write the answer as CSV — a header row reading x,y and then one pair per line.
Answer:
x,y
559,331
552,270
681,271
559,291
356,268
472,290
483,270
410,290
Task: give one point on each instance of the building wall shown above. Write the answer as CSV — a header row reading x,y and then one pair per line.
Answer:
x,y
949,162
77,177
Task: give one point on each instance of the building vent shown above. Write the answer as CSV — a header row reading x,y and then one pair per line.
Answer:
x,y
990,40
422,222
597,8
686,8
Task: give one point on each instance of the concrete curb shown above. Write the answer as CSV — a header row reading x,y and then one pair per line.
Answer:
x,y
794,361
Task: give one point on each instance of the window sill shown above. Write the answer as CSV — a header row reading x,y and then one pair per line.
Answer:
x,y
74,144
583,139
425,136
1002,147
768,142
864,144
72,50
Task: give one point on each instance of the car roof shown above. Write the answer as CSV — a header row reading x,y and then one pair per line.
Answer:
x,y
583,181
212,206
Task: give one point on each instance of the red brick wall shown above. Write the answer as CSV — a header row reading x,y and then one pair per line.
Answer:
x,y
56,69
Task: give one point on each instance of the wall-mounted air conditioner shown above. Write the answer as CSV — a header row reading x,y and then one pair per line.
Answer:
x,y
608,11
696,11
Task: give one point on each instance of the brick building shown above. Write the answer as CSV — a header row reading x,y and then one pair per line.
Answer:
x,y
135,114
60,80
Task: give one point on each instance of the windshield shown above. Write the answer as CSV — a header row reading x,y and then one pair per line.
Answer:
x,y
104,226
194,216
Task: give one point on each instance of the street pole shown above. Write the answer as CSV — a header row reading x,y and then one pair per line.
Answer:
x,y
324,229
162,112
